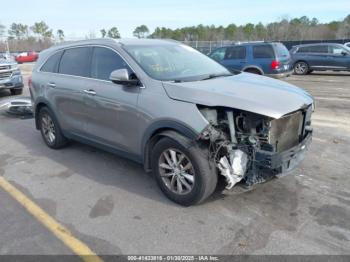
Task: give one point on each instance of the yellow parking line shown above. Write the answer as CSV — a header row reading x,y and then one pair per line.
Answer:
x,y
51,224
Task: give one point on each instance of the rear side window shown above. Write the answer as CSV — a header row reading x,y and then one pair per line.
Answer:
x,y
51,65
76,62
263,51
104,62
319,49
237,52
314,49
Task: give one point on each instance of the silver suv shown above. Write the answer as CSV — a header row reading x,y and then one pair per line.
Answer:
x,y
182,115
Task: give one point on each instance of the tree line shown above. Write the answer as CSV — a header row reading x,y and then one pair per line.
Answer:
x,y
40,36
286,29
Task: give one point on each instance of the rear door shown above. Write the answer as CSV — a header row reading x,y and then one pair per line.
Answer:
x,y
112,108
235,58
67,89
317,56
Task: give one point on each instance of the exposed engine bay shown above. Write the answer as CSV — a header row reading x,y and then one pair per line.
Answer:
x,y
249,148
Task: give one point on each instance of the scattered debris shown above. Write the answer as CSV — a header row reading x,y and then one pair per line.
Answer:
x,y
21,107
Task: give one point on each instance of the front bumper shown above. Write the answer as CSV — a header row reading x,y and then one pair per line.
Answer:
x,y
268,165
15,81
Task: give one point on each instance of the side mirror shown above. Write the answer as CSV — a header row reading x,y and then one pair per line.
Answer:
x,y
344,53
121,77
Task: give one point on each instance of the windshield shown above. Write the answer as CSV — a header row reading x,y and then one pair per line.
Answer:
x,y
175,63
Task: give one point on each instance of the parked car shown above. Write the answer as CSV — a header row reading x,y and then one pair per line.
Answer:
x,y
173,109
320,57
270,59
347,45
26,57
10,77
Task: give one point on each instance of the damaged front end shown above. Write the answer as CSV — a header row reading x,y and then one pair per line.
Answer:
x,y
249,148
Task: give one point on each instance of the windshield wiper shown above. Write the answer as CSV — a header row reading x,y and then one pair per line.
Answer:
x,y
215,76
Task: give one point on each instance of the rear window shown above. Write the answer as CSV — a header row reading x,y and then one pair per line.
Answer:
x,y
263,51
52,63
237,52
76,62
281,50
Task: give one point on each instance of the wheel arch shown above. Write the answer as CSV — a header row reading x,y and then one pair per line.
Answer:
x,y
301,60
38,105
165,128
253,67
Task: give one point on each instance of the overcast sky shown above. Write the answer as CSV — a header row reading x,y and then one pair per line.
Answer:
x,y
79,17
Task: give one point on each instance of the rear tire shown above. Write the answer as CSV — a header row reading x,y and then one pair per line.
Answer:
x,y
50,129
301,68
200,179
16,92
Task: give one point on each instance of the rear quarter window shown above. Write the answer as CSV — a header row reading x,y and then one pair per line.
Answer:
x,y
51,65
76,62
263,51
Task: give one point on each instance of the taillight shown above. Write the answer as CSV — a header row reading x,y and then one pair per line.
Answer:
x,y
275,64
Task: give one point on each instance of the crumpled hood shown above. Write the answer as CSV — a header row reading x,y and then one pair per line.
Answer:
x,y
248,92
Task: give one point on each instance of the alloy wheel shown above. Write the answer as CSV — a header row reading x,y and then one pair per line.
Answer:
x,y
176,171
48,128
301,68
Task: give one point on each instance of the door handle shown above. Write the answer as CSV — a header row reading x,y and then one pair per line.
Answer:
x,y
52,85
90,92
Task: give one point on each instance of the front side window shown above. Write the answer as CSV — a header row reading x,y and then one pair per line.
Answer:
x,y
218,54
263,51
236,52
171,62
51,64
76,62
104,62
337,50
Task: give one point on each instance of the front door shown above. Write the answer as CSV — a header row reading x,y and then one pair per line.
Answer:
x,y
112,108
340,57
235,58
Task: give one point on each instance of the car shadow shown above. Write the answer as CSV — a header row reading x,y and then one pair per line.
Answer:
x,y
91,163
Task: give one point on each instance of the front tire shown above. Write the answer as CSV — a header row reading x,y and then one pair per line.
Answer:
x,y
50,129
183,173
301,68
